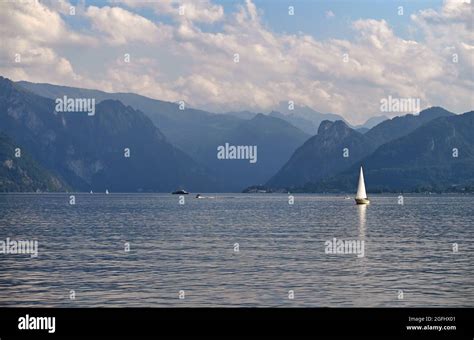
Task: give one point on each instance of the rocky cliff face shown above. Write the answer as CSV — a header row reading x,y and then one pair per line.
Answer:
x,y
20,172
335,148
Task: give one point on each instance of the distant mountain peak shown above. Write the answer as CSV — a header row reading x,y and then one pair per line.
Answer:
x,y
328,127
5,82
435,111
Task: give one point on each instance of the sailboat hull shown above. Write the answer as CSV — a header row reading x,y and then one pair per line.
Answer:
x,y
362,201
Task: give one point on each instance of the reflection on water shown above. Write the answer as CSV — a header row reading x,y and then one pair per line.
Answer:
x,y
191,247
362,211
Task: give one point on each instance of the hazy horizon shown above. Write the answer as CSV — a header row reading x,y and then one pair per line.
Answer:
x,y
280,109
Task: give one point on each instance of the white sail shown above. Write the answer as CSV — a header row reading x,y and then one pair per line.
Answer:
x,y
361,187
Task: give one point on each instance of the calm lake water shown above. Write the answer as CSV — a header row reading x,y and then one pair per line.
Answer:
x,y
190,247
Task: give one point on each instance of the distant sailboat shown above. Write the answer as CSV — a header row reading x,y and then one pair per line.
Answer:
x,y
361,196
106,191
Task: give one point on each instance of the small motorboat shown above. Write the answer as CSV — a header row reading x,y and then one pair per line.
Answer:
x,y
180,192
201,196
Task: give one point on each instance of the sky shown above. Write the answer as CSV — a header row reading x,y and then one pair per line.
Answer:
x,y
335,56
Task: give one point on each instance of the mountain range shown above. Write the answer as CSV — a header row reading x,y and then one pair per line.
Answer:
x,y
438,156
135,143
432,151
198,133
89,152
309,120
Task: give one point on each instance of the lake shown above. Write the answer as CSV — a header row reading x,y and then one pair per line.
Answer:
x,y
141,250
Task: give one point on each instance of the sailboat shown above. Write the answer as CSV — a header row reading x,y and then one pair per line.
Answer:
x,y
361,196
106,191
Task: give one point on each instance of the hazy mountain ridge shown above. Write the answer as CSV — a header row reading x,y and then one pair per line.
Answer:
x,y
89,151
309,120
420,160
182,127
199,133
288,158
371,122
401,125
438,156
275,140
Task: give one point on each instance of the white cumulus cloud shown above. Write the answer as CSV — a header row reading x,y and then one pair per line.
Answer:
x,y
182,59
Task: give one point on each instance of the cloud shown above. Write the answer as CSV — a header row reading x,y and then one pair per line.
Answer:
x,y
121,26
202,11
60,6
181,59
329,14
38,24
449,36
275,68
31,34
